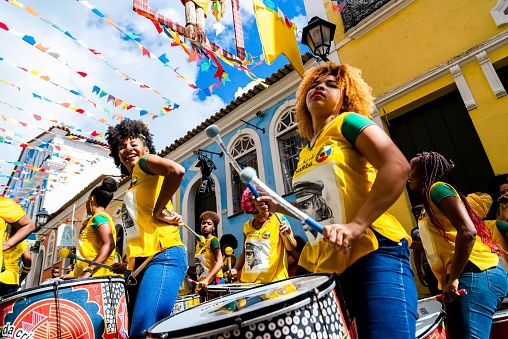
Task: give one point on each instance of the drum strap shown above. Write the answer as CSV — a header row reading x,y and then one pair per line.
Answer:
x,y
132,278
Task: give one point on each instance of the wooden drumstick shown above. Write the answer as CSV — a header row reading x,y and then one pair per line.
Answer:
x,y
65,253
200,238
461,292
287,235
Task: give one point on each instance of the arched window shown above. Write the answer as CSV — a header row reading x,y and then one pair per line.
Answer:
x,y
245,149
500,13
286,145
51,249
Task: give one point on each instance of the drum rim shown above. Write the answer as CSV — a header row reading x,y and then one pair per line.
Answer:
x,y
232,287
64,284
187,297
247,318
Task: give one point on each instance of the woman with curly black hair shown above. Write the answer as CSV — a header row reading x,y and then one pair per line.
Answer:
x,y
155,251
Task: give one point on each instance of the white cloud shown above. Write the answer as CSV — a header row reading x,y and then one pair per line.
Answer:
x,y
246,88
300,21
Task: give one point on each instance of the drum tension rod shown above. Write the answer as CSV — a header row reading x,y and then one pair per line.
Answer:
x,y
238,322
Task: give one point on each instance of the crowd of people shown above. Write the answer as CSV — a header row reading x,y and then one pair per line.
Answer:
x,y
348,176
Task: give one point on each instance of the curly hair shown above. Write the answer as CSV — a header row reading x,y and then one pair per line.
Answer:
x,y
357,95
210,215
229,239
127,129
247,204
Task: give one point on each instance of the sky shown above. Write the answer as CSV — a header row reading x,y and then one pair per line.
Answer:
x,y
19,88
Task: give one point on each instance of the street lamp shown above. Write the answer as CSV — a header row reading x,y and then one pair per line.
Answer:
x,y
318,35
41,218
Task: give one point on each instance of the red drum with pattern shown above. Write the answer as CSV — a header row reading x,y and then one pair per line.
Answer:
x,y
93,308
430,323
300,307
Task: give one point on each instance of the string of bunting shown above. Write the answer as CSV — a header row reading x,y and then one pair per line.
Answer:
x,y
94,51
95,89
338,5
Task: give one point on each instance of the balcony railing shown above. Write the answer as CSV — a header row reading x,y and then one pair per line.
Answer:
x,y
355,11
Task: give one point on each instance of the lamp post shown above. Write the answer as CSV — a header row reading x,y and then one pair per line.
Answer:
x,y
41,218
318,35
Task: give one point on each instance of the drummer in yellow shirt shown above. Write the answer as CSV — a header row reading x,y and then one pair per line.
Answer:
x,y
208,255
264,256
11,278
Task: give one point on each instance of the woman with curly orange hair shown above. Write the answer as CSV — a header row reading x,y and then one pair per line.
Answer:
x,y
361,173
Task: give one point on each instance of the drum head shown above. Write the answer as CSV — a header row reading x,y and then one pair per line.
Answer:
x,y
430,316
230,288
243,308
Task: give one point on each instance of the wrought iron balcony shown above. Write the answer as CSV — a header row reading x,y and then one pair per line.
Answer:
x,y
355,11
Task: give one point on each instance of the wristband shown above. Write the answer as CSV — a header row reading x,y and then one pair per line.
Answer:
x,y
88,270
25,269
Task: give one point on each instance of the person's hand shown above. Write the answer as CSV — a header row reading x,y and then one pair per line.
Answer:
x,y
69,276
284,229
232,273
450,291
203,284
170,218
119,267
340,236
265,203
421,277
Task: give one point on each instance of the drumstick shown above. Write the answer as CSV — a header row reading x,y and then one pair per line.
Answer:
x,y
65,253
248,175
461,292
228,252
194,282
213,132
200,238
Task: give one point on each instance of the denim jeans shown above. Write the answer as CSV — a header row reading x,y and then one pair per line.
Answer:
x,y
471,315
157,289
380,292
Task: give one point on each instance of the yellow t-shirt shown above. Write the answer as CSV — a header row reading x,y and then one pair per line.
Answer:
x,y
331,182
90,243
440,251
205,259
11,257
10,212
145,235
265,254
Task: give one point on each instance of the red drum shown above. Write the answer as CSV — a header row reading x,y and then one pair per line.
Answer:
x,y
216,291
299,307
430,321
499,329
92,308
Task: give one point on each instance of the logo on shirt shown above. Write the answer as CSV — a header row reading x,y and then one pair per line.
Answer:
x,y
323,153
134,181
266,235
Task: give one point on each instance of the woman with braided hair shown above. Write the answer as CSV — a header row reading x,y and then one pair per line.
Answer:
x,y
461,251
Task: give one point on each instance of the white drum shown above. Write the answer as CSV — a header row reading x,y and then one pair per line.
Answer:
x,y
430,321
216,291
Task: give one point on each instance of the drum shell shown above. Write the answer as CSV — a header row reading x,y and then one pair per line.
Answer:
x,y
91,308
431,318
316,310
185,302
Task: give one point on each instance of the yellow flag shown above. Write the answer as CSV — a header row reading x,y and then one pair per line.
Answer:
x,y
276,37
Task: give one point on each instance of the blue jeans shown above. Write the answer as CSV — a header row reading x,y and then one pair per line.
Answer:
x,y
380,292
471,315
157,289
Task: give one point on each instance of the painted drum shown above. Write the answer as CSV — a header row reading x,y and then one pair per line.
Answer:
x,y
300,307
92,308
499,329
430,319
216,291
185,302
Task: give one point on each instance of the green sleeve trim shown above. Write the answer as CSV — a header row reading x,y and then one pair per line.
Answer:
x,y
439,191
99,220
142,164
502,226
214,244
353,125
283,218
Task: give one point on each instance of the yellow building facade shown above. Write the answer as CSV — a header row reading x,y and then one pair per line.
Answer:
x,y
438,70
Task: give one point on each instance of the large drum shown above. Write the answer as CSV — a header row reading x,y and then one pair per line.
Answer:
x,y
184,302
92,308
301,307
216,291
430,321
499,329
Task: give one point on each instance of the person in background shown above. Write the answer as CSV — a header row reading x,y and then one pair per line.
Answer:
x,y
96,241
55,275
265,245
228,240
11,278
499,187
208,254
294,256
460,249
424,272
155,252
